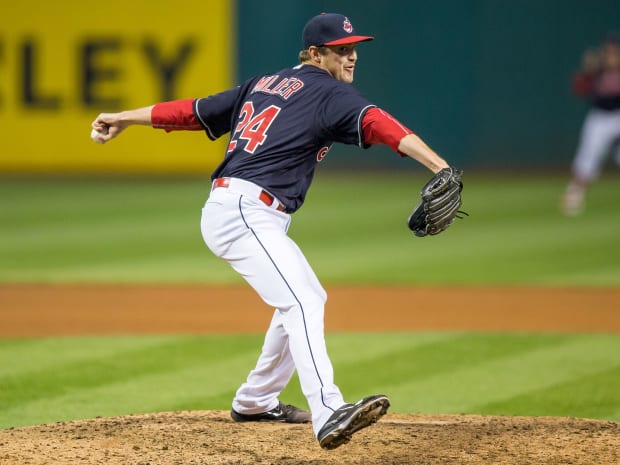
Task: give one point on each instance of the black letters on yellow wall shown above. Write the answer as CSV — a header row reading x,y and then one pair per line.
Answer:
x,y
31,95
167,71
95,79
94,73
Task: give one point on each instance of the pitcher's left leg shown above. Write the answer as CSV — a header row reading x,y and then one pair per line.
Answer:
x,y
272,373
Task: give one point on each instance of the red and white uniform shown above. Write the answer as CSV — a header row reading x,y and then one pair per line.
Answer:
x,y
601,127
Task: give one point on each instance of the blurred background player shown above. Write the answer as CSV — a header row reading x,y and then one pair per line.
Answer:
x,y
599,82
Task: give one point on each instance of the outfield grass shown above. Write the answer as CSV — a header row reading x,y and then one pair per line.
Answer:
x,y
49,380
352,230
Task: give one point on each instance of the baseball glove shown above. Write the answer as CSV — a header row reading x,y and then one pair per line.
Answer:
x,y
441,200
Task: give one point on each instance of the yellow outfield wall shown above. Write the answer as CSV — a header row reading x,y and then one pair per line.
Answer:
x,y
64,62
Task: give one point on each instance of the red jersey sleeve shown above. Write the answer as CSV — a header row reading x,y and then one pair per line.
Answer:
x,y
379,127
176,115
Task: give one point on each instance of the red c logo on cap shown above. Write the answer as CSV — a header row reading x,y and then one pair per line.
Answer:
x,y
347,26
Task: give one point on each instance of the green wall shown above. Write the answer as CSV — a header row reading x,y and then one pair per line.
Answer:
x,y
484,82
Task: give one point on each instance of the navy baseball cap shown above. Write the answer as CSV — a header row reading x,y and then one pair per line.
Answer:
x,y
330,29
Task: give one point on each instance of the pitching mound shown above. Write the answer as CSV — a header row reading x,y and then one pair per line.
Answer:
x,y
210,437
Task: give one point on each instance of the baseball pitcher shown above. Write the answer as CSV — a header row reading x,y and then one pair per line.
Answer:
x,y
280,125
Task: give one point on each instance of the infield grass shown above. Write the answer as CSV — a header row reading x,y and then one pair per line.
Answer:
x,y
57,379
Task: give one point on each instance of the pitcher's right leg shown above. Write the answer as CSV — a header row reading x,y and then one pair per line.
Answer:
x,y
260,250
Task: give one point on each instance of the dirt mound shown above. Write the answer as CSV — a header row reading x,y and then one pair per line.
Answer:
x,y
210,437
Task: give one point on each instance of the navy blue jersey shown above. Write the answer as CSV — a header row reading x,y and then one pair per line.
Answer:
x,y
281,126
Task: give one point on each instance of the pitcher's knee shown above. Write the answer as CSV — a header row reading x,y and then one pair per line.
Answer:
x,y
316,297
313,304
310,302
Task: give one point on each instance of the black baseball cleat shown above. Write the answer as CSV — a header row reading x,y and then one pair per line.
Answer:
x,y
351,418
281,414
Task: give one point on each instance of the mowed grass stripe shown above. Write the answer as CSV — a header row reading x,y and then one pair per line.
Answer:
x,y
141,391
421,372
413,363
373,348
47,381
25,356
595,395
96,195
462,389
105,230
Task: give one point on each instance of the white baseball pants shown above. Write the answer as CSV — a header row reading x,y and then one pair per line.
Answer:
x,y
252,237
601,129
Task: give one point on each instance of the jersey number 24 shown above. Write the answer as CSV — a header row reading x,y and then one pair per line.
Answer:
x,y
252,128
